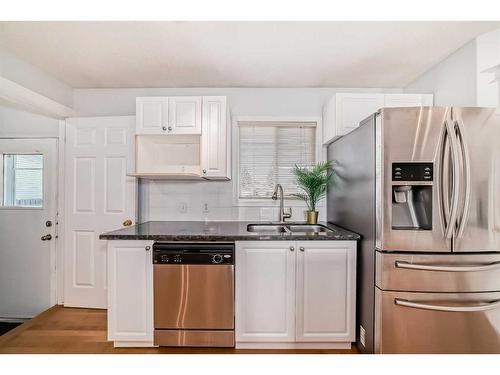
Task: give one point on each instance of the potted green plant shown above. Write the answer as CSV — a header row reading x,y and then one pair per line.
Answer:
x,y
313,182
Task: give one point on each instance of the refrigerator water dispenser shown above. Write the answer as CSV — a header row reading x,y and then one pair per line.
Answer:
x,y
412,196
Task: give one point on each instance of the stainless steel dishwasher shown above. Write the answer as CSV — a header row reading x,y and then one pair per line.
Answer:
x,y
193,287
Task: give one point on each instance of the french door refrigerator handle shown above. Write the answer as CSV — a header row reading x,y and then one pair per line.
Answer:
x,y
467,176
445,179
456,181
416,305
443,268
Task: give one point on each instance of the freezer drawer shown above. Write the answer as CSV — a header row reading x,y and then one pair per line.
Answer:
x,y
437,322
438,273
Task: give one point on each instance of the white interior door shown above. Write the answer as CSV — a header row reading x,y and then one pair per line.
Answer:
x,y
27,203
99,197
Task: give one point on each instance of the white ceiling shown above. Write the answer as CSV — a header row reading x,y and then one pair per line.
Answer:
x,y
237,54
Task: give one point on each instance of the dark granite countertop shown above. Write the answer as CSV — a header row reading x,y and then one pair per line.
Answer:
x,y
217,231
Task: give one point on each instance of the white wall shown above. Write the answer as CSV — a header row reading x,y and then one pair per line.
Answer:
x,y
453,80
33,78
461,79
488,56
15,123
243,101
161,200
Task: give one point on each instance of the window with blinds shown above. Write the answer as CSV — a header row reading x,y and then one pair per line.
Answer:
x,y
268,151
22,180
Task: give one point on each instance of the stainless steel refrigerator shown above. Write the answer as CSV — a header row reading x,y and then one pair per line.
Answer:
x,y
422,187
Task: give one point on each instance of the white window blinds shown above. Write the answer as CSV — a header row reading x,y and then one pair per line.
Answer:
x,y
268,151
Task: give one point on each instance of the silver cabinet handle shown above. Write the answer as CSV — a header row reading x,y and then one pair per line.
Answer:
x,y
424,306
47,237
169,128
148,248
164,128
427,267
301,248
292,248
204,171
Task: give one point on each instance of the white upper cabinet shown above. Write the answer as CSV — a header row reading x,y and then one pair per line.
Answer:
x,y
215,153
184,137
353,108
326,291
265,291
151,115
408,100
168,115
184,115
344,111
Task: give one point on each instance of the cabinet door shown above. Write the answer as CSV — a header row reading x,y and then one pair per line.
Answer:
x,y
214,137
151,115
326,291
130,292
353,108
408,100
184,115
265,291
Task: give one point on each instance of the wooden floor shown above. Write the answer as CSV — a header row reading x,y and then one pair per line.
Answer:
x,y
70,330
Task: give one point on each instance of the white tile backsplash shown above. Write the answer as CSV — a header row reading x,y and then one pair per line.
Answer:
x,y
184,201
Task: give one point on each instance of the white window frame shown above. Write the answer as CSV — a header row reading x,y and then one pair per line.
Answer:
x,y
2,176
267,202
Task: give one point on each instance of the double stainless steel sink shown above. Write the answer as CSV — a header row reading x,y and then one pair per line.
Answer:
x,y
290,228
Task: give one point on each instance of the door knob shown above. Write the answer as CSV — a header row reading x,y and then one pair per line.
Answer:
x,y
47,237
127,223
292,248
301,248
164,128
169,128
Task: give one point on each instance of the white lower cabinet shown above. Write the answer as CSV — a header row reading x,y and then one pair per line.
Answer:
x,y
295,293
265,291
325,291
130,293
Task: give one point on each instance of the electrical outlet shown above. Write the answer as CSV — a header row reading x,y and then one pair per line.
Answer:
x,y
182,207
362,335
205,208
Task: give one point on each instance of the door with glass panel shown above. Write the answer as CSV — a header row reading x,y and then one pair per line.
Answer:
x,y
27,226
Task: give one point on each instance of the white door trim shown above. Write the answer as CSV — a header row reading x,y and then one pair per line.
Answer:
x,y
60,214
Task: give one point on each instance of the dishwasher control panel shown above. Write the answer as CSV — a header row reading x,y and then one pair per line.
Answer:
x,y
200,253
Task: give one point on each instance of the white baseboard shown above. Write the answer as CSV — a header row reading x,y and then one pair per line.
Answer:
x,y
133,344
293,345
